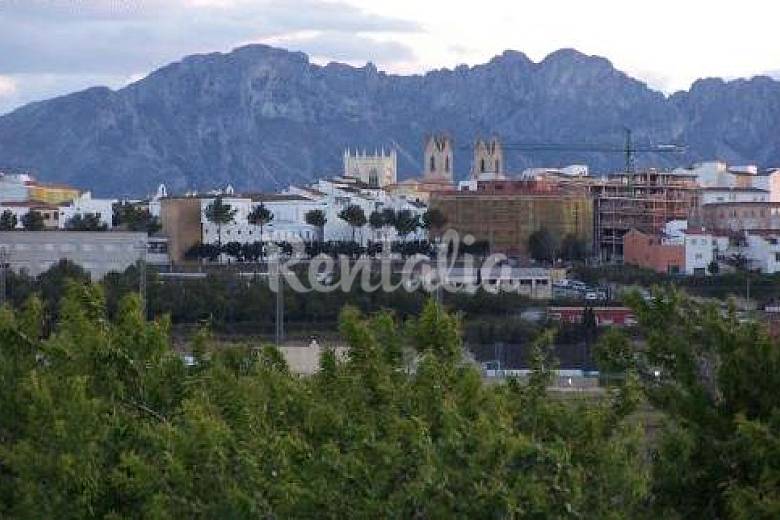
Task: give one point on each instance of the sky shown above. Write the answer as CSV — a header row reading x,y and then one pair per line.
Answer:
x,y
53,47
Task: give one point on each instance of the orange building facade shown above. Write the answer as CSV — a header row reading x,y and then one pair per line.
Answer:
x,y
651,252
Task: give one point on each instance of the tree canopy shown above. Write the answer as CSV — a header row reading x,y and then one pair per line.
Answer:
x,y
115,424
135,218
33,221
102,418
8,220
260,216
543,246
220,213
354,216
85,222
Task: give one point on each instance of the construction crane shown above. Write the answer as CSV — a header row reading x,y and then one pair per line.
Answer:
x,y
628,149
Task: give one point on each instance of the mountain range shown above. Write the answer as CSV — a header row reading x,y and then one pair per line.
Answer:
x,y
262,118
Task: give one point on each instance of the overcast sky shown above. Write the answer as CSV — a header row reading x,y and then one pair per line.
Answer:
x,y
52,47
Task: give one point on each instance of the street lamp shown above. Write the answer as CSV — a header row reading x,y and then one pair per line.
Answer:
x,y
141,247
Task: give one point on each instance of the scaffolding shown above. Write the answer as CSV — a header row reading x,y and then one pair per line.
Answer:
x,y
644,201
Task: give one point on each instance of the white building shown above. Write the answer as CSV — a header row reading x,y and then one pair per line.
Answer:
x,y
335,195
85,204
571,171
288,224
769,181
763,252
718,195
154,201
14,187
701,249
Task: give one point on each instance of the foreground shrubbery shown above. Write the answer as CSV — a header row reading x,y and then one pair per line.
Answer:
x,y
101,419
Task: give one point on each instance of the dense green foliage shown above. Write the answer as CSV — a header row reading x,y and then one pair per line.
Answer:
x,y
8,220
543,246
99,417
318,219
33,221
716,379
102,419
132,217
85,222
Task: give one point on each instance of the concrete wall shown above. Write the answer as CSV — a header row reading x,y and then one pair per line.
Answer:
x,y
97,252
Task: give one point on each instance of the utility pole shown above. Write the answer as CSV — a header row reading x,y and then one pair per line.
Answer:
x,y
4,265
279,333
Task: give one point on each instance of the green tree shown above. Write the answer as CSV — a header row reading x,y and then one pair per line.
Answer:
x,y
85,222
220,213
714,377
376,221
135,218
543,246
354,216
573,248
33,221
713,267
388,217
406,222
8,221
433,220
317,218
260,216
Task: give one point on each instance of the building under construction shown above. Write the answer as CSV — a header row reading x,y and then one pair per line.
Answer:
x,y
644,201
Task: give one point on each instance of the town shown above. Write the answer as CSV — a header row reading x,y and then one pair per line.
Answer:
x,y
704,220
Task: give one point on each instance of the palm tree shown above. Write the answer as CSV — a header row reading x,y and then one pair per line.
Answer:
x,y
220,213
376,220
8,221
33,221
433,220
316,218
388,216
406,222
260,216
354,216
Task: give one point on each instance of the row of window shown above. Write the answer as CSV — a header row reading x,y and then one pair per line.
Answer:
x,y
70,248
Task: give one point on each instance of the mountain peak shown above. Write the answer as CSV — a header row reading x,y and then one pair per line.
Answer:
x,y
261,117
568,56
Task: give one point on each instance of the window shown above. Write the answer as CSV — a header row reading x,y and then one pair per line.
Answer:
x,y
498,164
777,257
482,165
446,164
433,163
